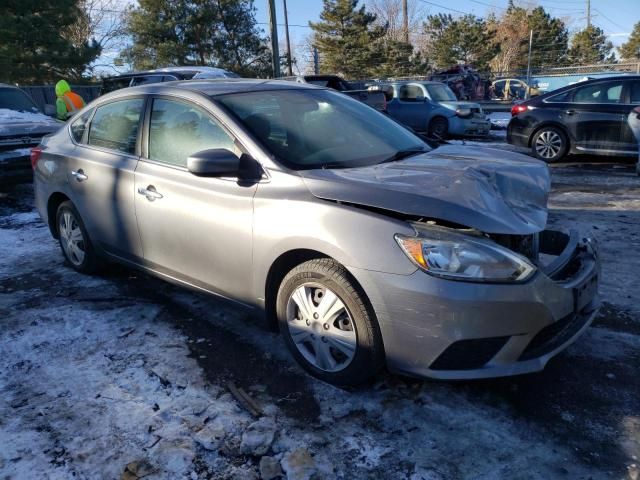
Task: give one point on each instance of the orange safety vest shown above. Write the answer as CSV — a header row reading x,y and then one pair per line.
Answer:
x,y
72,101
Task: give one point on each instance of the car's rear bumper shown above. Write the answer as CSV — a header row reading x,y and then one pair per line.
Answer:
x,y
455,330
466,127
15,167
517,134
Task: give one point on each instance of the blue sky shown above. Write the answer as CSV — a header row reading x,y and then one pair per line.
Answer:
x,y
615,17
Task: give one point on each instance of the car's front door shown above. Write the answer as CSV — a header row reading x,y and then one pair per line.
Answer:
x,y
596,115
197,229
101,174
410,106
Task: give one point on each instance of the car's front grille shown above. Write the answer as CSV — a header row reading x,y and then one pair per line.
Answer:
x,y
553,336
469,354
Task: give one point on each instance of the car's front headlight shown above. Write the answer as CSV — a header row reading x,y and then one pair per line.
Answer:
x,y
457,256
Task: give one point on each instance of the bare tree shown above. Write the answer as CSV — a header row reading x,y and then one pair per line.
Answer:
x,y
389,13
101,21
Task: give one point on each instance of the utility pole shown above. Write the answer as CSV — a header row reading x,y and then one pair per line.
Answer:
x,y
528,90
588,13
286,28
405,21
273,27
316,62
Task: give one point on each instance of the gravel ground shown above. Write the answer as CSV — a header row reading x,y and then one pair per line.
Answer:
x,y
123,376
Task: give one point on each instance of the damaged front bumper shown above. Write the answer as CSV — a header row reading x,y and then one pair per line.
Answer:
x,y
455,330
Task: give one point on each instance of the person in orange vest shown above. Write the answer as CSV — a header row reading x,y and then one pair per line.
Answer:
x,y
68,102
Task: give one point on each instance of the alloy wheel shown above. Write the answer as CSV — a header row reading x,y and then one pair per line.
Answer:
x,y
548,144
321,327
72,239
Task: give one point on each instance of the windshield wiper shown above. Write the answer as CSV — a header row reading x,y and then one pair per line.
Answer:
x,y
400,154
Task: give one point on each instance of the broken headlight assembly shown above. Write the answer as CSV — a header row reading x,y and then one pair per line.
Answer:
x,y
449,254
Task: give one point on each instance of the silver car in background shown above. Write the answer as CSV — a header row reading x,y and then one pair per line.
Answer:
x,y
365,245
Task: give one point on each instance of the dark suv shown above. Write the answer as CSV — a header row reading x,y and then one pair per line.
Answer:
x,y
168,74
587,117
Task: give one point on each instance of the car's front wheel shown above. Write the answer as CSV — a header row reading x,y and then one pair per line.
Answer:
x,y
74,240
438,128
327,325
549,144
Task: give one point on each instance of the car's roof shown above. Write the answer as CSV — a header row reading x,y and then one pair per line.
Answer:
x,y
6,85
220,86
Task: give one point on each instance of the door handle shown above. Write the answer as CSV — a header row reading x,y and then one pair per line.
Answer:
x,y
79,175
570,112
150,192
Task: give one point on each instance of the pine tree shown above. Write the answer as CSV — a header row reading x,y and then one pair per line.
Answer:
x,y
631,49
221,33
34,47
467,39
345,38
550,39
590,46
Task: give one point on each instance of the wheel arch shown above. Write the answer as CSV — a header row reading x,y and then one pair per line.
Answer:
x,y
557,125
286,262
54,201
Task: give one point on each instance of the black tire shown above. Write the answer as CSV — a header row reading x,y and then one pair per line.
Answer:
x,y
368,358
549,144
90,262
438,128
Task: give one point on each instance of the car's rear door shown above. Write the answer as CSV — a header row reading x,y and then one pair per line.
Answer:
x,y
631,128
196,229
596,115
100,173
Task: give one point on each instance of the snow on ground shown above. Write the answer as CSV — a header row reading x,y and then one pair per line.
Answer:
x,y
126,376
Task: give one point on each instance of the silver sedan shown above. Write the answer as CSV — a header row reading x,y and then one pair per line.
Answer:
x,y
365,245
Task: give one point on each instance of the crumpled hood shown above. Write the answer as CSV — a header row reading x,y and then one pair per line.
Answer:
x,y
491,190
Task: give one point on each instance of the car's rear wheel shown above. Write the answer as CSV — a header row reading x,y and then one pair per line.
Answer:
x,y
326,324
549,144
74,240
438,128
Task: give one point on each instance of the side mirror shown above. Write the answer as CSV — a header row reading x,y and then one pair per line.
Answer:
x,y
50,110
421,99
215,162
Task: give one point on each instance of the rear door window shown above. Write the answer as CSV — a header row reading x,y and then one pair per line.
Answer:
x,y
634,93
112,84
178,130
115,125
610,92
411,93
146,79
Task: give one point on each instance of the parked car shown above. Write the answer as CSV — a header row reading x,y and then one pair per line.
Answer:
x,y
374,95
363,243
512,89
589,117
168,74
432,108
22,126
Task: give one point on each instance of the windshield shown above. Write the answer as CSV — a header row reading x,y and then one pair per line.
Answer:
x,y
15,99
308,129
441,93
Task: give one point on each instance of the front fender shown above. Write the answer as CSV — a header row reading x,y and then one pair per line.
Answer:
x,y
290,218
